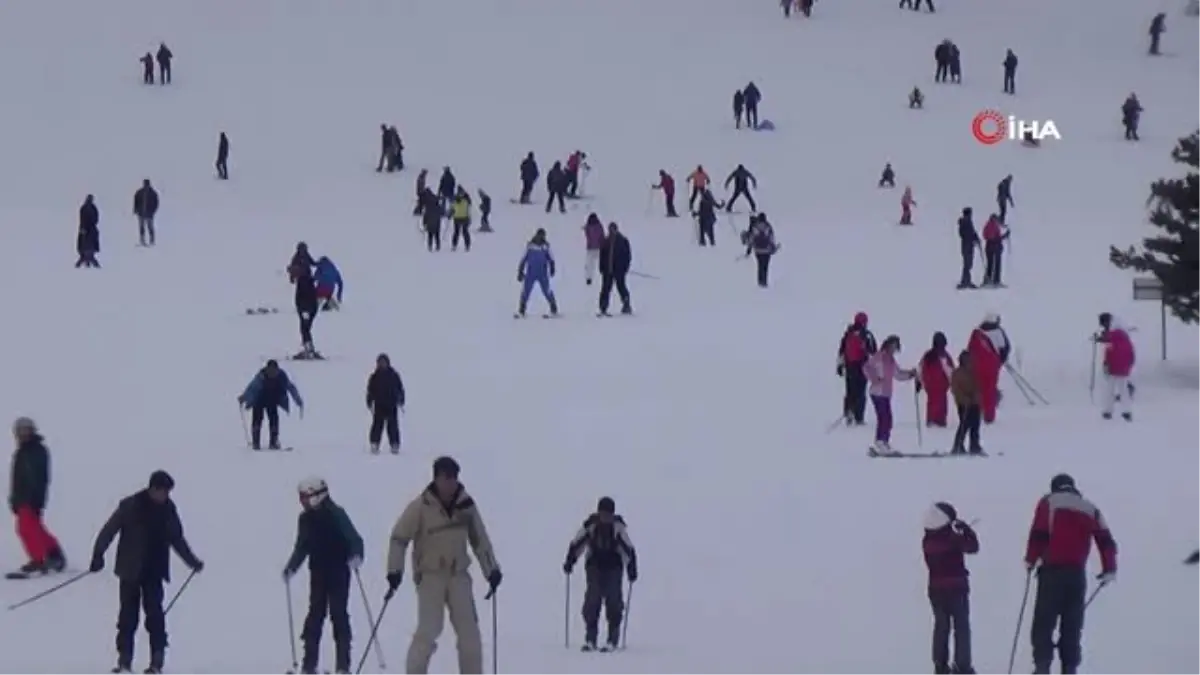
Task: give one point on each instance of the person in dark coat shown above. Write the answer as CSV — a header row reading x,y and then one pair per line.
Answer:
x,y
610,552
307,306
739,96
742,181
941,56
87,241
223,156
752,96
148,525
706,217
1010,72
887,179
1158,26
916,100
430,206
529,176
616,257
267,392
485,211
385,399
29,489
760,240
391,150
326,536
147,61
946,544
667,184
447,186
955,64
301,263
145,205
556,187
856,346
164,57
1004,198
968,241
1131,115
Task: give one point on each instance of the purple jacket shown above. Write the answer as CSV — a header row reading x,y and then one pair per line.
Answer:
x,y
882,371
594,234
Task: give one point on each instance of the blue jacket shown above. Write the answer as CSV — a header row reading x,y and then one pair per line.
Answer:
x,y
537,263
327,275
259,386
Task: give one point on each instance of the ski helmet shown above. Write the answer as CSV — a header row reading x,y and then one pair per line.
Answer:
x,y
1063,482
312,491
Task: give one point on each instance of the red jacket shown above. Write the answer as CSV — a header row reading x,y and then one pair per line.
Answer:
x,y
988,346
945,552
936,368
991,230
573,161
666,184
1118,354
1064,526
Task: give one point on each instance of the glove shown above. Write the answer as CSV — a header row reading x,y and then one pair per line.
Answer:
x,y
1106,578
354,563
631,572
241,399
520,276
1030,566
918,385
568,566
393,581
288,573
841,370
97,565
494,580
198,566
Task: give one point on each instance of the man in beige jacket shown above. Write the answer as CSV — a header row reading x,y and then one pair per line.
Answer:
x,y
439,524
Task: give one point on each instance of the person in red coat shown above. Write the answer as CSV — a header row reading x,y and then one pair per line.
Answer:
x,y
989,348
994,235
946,544
1060,542
667,185
906,205
936,368
1119,357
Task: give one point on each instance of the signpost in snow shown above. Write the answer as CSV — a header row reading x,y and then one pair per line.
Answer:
x,y
1150,288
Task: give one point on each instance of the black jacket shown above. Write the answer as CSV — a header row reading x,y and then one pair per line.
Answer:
x,y
89,215
741,179
447,186
327,538
608,545
752,95
967,236
30,476
145,202
529,169
147,532
222,147
556,179
616,256
385,389
164,56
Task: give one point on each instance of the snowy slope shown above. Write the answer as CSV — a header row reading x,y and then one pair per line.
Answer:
x,y
766,544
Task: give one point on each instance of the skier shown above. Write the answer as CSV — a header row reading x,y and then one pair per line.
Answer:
x,y
888,178
327,537
422,183
966,399
87,242
616,257
485,211
752,97
439,524
1119,358
989,347
760,240
706,217
385,399
936,369
447,186
306,310
145,205
536,268
882,371
301,263
329,284
856,347
699,181
667,184
430,207
556,187
148,525
576,164
529,176
593,235
739,97
267,392
1131,115
147,62
385,147
742,180
1158,26
1060,542
460,216
946,544
916,100
906,205
1010,72
1004,198
968,242
994,235
29,488
164,57
941,56
223,156
610,553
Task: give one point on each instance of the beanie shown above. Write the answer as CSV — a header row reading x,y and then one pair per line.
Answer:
x,y
445,466
161,480
606,505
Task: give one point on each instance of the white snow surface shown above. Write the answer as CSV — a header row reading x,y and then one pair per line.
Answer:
x,y
766,544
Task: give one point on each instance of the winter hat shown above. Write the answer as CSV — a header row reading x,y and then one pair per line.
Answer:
x,y
1063,482
445,466
606,505
24,424
1106,319
161,480
939,340
940,515
860,319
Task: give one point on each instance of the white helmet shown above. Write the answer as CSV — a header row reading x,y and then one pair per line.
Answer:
x,y
991,317
312,491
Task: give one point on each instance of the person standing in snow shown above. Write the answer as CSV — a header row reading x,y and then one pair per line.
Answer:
x,y
966,398
164,57
29,490
760,240
856,346
87,241
936,369
667,184
882,372
1010,72
485,211
145,206
946,544
385,400
906,205
460,217
616,257
556,187
222,163
968,242
742,180
752,96
593,235
267,392
610,553
536,268
1119,358
699,181
1004,198
989,347
529,176
739,96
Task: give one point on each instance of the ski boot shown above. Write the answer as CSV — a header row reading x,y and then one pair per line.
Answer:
x,y
976,449
374,448
963,670
941,669
157,658
273,444
395,448
589,645
614,639
55,560
589,638
626,309
312,656
342,657
124,665
1107,415
958,449
1128,417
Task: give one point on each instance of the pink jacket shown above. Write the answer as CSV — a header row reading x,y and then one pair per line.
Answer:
x,y
881,372
594,234
1119,354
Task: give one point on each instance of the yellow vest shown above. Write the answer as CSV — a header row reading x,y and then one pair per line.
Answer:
x,y
461,210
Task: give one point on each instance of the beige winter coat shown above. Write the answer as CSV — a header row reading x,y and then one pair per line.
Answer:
x,y
439,536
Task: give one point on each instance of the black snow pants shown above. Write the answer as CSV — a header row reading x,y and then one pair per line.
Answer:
x,y
752,120
968,427
462,230
1010,87
1001,209
942,73
951,610
328,595
604,587
854,403
968,262
1059,603
147,74
764,267
526,191
146,595
740,191
385,418
562,205
164,72
433,235
256,420
306,322
992,255
607,281
222,168
707,233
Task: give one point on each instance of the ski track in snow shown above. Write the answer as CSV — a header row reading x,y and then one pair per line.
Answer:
x,y
765,544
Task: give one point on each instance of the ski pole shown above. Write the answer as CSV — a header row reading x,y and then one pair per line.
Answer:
x,y
1094,594
182,588
917,408
1092,375
287,588
367,606
32,599
644,275
495,634
1012,654
567,615
387,599
625,621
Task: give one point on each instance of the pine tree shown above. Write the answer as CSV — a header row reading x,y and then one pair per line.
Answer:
x,y
1171,256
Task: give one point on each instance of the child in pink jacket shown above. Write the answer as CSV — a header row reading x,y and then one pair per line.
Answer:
x,y
593,234
882,371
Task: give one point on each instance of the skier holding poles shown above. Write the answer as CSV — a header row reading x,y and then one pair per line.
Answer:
x,y
609,553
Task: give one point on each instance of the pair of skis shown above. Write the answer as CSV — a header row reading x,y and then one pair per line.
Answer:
x,y
872,452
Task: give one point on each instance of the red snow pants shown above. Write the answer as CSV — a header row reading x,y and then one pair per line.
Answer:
x,y
36,539
989,382
936,405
